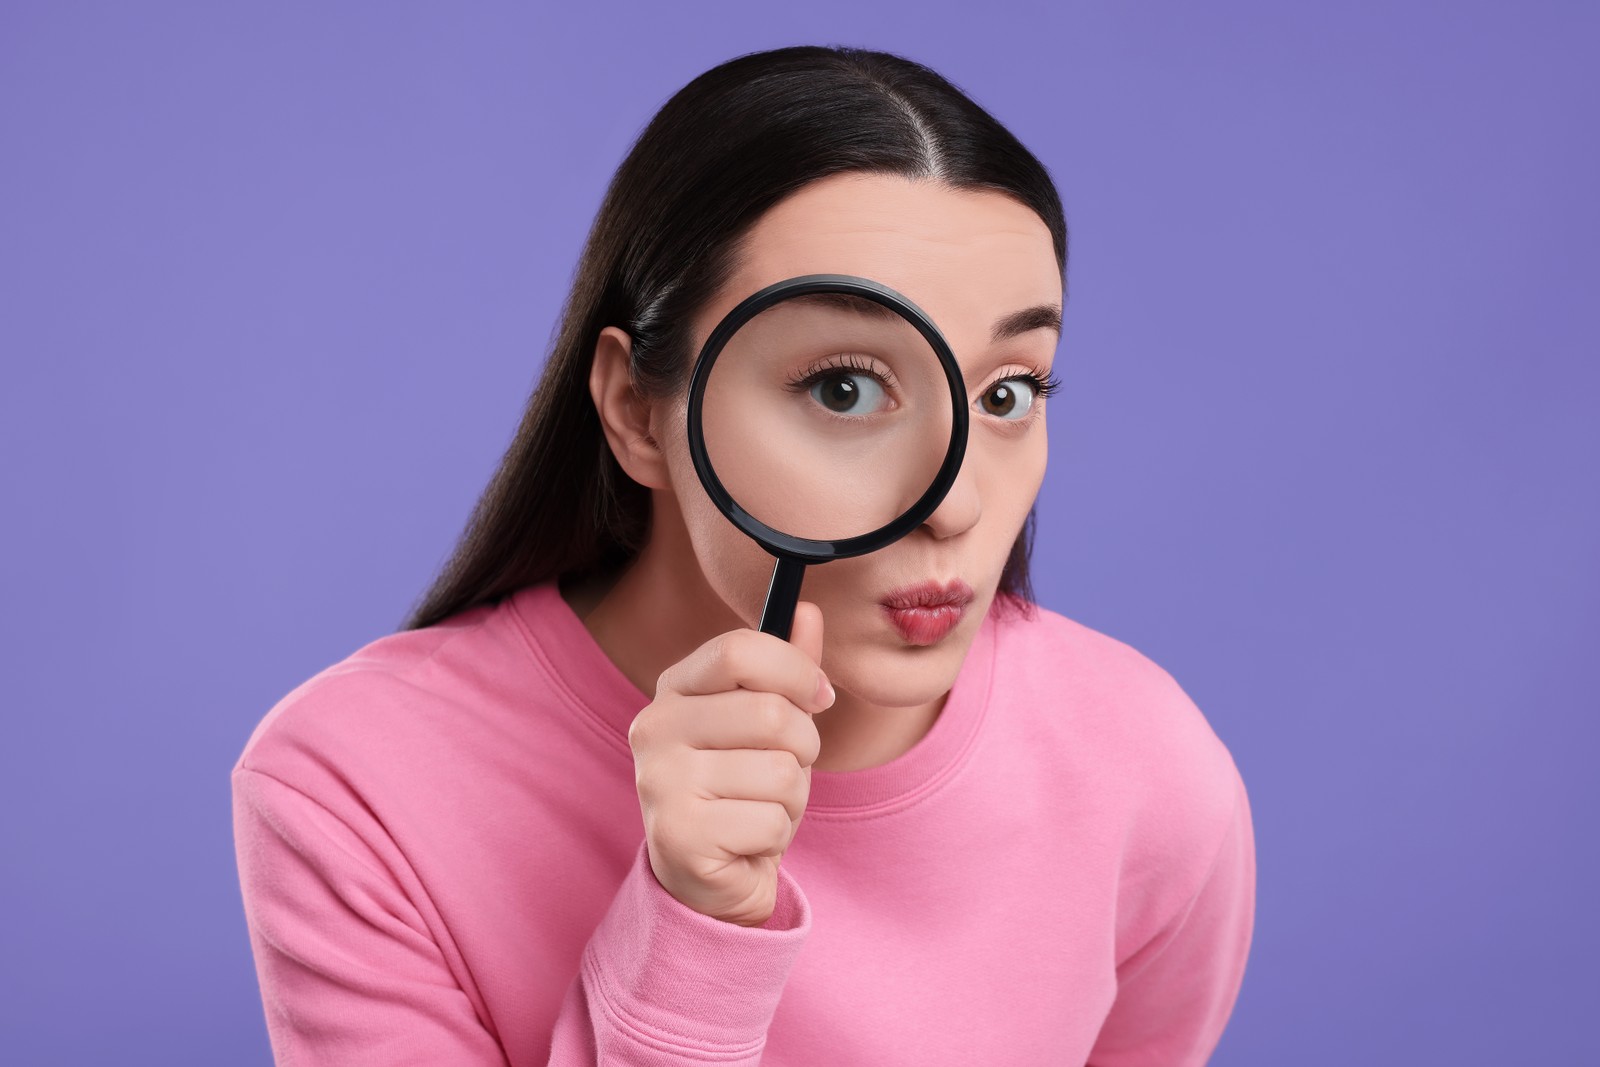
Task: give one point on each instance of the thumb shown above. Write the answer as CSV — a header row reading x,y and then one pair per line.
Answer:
x,y
805,632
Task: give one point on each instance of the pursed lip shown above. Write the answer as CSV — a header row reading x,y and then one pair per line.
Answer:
x,y
930,594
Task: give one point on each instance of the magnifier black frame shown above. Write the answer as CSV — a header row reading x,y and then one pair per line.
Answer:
x,y
793,552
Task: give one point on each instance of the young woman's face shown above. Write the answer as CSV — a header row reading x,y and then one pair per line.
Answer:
x,y
971,260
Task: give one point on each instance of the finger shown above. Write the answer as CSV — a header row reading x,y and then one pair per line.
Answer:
x,y
747,827
752,775
805,633
747,659
741,719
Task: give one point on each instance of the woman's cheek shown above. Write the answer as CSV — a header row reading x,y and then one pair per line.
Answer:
x,y
738,569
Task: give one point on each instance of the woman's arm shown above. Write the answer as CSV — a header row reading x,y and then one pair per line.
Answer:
x,y
1174,995
349,972
351,975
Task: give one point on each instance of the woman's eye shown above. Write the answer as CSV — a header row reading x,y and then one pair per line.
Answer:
x,y
848,394
1009,399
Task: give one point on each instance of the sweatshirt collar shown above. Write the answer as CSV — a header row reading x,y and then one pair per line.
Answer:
x,y
595,687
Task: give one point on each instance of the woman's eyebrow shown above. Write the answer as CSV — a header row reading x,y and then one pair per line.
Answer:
x,y
1038,317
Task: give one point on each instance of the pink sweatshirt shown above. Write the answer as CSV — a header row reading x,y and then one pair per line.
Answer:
x,y
442,861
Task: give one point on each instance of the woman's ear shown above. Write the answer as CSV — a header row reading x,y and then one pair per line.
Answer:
x,y
624,414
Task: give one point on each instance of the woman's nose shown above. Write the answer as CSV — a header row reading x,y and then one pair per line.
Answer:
x,y
961,507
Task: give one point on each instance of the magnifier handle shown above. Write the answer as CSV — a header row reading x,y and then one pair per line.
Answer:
x,y
782,595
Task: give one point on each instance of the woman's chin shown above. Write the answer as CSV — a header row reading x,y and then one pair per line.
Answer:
x,y
892,674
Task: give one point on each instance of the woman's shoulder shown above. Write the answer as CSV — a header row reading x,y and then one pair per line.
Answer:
x,y
393,696
1123,716
1068,655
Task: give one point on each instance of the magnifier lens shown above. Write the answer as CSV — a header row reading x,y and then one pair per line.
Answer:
x,y
827,415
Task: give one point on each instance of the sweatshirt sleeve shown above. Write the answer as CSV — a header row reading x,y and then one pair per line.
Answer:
x,y
660,983
1174,995
350,973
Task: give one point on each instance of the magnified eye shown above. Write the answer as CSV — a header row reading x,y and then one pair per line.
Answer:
x,y
848,393
1009,399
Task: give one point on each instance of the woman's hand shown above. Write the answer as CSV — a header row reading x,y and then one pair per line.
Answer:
x,y
722,761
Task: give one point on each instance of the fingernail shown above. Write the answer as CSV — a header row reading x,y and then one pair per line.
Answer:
x,y
825,694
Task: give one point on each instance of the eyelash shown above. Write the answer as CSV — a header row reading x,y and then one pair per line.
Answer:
x,y
1042,386
817,371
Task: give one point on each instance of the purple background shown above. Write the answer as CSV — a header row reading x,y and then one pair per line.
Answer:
x,y
276,282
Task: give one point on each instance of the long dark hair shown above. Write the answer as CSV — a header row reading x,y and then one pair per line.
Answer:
x,y
725,148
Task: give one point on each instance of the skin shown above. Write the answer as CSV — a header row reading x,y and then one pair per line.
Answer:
x,y
967,258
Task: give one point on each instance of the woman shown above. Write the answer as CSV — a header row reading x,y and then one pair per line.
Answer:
x,y
557,819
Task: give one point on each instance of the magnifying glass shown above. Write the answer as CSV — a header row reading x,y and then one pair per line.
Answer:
x,y
827,419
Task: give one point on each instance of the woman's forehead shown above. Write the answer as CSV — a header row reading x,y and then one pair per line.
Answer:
x,y
967,257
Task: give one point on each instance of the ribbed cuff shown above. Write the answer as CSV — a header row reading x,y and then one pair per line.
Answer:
x,y
676,976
